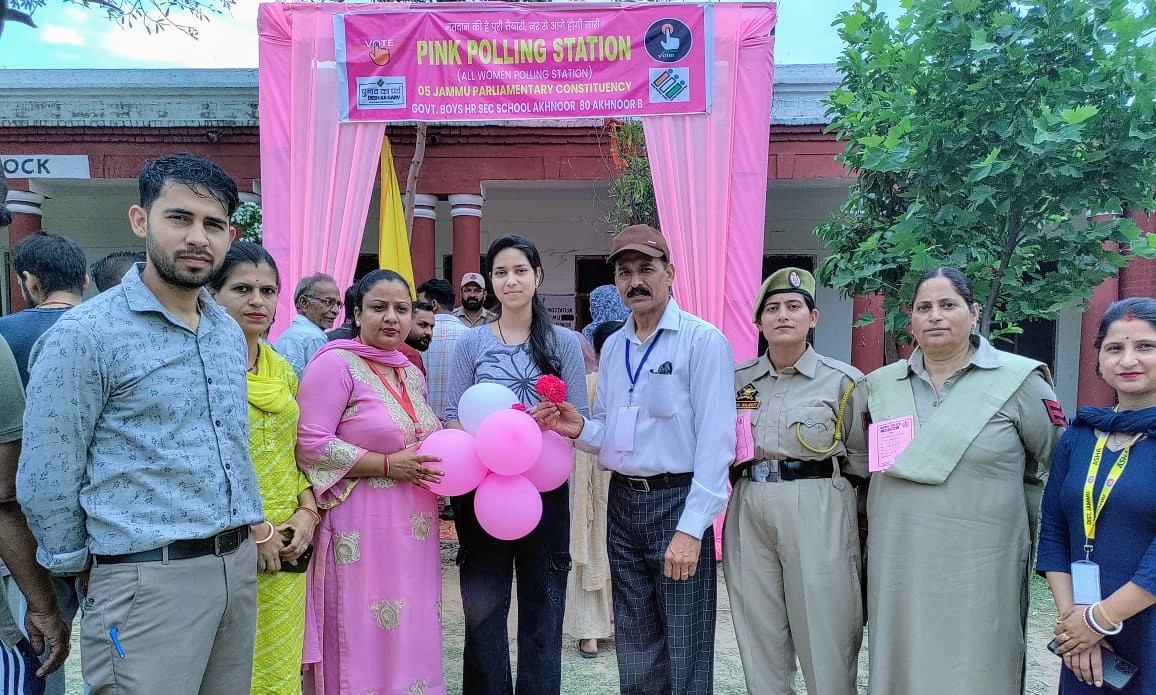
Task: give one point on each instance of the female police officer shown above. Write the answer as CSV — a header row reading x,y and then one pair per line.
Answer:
x,y
790,545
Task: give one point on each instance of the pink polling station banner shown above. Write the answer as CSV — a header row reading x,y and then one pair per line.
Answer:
x,y
559,60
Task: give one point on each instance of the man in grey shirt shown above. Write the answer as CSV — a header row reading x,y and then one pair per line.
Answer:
x,y
136,454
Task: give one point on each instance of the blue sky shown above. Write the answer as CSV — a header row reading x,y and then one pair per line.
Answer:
x,y
73,37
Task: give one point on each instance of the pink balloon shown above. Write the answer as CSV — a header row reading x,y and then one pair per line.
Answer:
x,y
459,460
509,442
554,465
507,506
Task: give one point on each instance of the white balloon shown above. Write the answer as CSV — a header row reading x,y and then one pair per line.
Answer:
x,y
480,401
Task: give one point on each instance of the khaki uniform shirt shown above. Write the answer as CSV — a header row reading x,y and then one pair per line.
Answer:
x,y
486,316
803,401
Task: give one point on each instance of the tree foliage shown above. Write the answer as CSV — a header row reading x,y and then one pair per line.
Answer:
x,y
982,131
248,218
151,15
631,188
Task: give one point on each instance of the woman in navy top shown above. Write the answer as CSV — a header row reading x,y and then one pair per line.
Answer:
x,y
1118,444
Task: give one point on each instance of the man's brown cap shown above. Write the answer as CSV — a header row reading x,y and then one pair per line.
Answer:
x,y
641,238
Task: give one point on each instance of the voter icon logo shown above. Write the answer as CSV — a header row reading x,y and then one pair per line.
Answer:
x,y
379,53
668,40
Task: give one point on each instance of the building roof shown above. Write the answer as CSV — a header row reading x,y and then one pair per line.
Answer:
x,y
228,97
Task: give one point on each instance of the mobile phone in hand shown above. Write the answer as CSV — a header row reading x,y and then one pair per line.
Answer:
x,y
1117,670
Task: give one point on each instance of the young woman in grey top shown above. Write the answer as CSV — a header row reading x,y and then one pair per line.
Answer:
x,y
514,350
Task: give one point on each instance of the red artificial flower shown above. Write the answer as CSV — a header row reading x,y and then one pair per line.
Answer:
x,y
551,388
519,407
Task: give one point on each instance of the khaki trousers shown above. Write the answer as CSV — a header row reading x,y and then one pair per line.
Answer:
x,y
791,561
186,626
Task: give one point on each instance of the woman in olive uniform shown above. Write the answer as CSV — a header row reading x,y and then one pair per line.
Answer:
x,y
791,545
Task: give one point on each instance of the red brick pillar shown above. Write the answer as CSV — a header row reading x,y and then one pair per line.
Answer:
x,y
867,341
422,244
1138,278
25,207
466,210
1090,388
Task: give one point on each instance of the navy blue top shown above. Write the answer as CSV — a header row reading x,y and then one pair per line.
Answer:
x,y
23,329
1125,546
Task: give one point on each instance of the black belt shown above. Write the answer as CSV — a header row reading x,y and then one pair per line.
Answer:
x,y
223,543
662,481
796,470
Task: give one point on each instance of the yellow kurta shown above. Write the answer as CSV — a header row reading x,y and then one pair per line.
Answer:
x,y
273,417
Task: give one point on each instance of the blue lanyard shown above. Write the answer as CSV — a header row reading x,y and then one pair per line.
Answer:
x,y
633,375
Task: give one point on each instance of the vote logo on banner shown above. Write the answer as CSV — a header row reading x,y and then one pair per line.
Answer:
x,y
670,84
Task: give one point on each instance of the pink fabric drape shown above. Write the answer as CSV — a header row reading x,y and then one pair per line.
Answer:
x,y
710,177
710,182
317,176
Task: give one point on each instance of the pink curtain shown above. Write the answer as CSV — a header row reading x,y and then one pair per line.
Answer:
x,y
710,177
317,175
710,182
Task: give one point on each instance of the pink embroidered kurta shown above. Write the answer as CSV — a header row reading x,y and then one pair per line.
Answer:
x,y
373,622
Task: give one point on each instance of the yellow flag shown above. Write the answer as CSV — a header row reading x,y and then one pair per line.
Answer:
x,y
393,245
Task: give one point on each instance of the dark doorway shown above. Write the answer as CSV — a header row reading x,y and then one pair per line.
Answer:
x,y
589,272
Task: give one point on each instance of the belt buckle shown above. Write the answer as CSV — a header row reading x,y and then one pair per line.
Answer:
x,y
639,484
765,471
226,542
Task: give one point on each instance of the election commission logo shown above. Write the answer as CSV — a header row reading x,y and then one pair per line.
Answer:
x,y
381,93
669,85
668,40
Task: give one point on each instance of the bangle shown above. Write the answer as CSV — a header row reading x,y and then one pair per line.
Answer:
x,y
315,515
1090,618
272,532
1107,616
385,473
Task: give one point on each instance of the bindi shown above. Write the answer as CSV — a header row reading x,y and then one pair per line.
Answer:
x,y
1129,316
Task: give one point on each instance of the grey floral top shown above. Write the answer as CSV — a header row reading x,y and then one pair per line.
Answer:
x,y
136,431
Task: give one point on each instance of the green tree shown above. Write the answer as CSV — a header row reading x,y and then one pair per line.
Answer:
x,y
631,188
981,132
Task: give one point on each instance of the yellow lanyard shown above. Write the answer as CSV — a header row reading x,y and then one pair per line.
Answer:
x,y
1092,514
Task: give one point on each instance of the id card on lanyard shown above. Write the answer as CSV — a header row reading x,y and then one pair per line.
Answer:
x,y
1085,573
627,421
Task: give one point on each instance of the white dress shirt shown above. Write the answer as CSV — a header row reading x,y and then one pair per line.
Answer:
x,y
686,419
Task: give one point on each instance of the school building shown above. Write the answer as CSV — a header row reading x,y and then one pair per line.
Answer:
x,y
72,143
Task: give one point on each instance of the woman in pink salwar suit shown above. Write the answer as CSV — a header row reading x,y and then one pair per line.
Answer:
x,y
374,604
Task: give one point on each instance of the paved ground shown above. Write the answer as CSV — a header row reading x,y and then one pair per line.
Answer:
x,y
600,676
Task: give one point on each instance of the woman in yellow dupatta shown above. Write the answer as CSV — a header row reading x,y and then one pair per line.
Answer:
x,y
247,286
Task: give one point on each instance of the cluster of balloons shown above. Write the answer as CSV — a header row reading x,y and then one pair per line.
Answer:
x,y
504,455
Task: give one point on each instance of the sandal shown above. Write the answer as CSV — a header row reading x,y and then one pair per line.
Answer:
x,y
585,654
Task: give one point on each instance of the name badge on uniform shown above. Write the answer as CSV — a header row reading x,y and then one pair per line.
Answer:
x,y
624,428
1085,582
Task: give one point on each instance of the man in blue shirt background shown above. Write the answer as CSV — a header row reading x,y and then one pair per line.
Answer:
x,y
50,268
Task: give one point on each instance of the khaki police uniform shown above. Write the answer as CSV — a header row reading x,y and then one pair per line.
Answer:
x,y
791,545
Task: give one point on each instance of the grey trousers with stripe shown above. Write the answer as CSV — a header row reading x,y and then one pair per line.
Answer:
x,y
663,629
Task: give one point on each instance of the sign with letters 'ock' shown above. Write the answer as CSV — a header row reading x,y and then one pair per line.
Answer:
x,y
519,63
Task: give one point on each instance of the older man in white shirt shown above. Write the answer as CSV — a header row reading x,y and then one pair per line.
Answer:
x,y
317,300
664,423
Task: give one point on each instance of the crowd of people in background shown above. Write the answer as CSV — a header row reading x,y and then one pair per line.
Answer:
x,y
232,514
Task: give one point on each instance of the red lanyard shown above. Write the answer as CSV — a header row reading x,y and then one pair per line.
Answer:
x,y
402,396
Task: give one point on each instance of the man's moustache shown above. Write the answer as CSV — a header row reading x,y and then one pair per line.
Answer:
x,y
638,292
